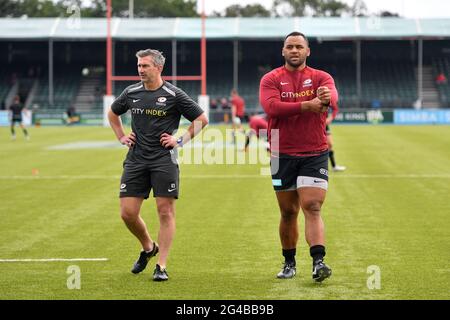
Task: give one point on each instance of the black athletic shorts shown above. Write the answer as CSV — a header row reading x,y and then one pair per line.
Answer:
x,y
16,119
139,179
291,172
328,130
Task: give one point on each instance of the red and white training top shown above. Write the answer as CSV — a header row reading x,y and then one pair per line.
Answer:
x,y
281,93
240,105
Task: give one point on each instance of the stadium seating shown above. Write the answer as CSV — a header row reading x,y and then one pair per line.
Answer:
x,y
384,84
9,75
4,88
442,65
65,90
387,81
390,85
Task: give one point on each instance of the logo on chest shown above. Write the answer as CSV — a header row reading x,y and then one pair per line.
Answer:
x,y
148,112
161,101
307,83
301,94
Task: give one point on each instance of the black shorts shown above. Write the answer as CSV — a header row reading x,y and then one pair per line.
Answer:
x,y
16,119
328,130
290,173
139,179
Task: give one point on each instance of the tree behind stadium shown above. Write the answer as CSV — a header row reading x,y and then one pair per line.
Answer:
x,y
318,8
97,8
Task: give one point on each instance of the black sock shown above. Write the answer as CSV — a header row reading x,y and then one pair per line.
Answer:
x,y
331,155
289,255
317,253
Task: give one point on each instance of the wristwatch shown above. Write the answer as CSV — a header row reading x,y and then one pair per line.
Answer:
x,y
180,141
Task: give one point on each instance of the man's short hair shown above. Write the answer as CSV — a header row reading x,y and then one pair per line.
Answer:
x,y
296,34
158,58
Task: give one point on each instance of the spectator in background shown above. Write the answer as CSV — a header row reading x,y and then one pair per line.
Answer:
x,y
441,79
213,104
224,104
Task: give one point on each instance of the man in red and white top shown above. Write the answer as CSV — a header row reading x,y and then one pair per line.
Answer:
x,y
237,112
330,118
258,126
296,99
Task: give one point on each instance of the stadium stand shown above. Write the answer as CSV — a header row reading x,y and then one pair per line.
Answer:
x,y
4,88
65,90
389,57
442,65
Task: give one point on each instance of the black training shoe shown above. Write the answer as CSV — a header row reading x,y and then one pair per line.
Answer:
x,y
160,274
144,257
320,271
288,271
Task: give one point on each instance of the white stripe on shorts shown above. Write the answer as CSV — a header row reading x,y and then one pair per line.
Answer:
x,y
314,182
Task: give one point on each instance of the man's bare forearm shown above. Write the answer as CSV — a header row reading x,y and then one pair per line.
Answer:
x,y
196,126
116,124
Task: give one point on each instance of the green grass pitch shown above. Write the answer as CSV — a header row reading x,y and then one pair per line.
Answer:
x,y
390,209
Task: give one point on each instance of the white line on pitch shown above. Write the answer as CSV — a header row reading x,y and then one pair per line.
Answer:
x,y
53,260
234,176
58,177
389,176
343,176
